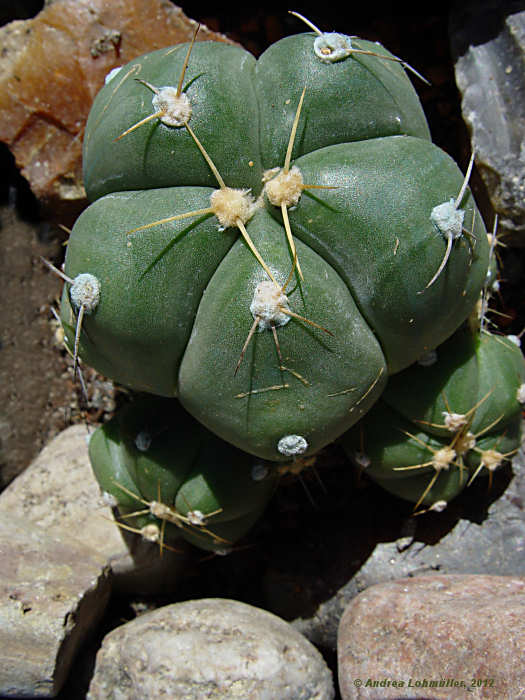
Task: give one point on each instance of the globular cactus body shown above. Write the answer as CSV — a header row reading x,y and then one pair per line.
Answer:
x,y
438,426
178,292
193,484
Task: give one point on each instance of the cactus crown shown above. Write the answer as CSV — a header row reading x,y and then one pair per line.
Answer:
x,y
300,196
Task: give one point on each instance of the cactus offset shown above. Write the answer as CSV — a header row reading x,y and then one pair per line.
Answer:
x,y
465,417
169,477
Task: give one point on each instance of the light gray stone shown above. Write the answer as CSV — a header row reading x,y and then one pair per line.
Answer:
x,y
53,590
210,648
488,44
59,493
440,636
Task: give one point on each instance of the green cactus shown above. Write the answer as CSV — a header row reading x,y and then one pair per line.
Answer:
x,y
272,238
171,478
443,421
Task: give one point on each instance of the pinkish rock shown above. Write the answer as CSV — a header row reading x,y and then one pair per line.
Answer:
x,y
436,637
51,68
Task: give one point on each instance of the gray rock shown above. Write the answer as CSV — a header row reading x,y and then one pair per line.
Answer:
x,y
488,44
439,636
210,648
481,532
59,493
53,590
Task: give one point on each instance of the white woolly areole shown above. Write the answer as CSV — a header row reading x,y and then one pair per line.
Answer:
x,y
443,458
465,442
362,460
267,302
143,441
112,73
196,517
514,339
284,188
259,472
230,205
151,532
176,108
108,499
448,219
291,445
454,421
161,510
438,506
331,47
85,292
520,394
428,359
491,459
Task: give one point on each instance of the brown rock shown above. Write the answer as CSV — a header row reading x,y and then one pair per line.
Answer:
x,y
51,68
434,634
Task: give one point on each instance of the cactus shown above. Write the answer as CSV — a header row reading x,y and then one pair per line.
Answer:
x,y
169,477
427,445
271,238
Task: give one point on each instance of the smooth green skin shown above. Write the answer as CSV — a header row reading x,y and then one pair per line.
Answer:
x,y
374,228
471,369
179,469
402,429
358,98
242,113
140,329
139,333
174,309
224,116
349,364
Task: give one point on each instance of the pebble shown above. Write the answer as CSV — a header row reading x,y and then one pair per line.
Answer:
x,y
435,637
481,532
59,493
209,648
53,591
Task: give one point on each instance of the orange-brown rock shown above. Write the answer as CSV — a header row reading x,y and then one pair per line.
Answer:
x,y
52,66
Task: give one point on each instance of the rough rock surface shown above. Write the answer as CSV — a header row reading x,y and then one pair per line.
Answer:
x,y
466,629
211,648
480,533
459,541
488,43
59,493
53,590
51,68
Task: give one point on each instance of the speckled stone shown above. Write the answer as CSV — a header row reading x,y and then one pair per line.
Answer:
x,y
53,591
210,648
59,493
439,629
488,44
